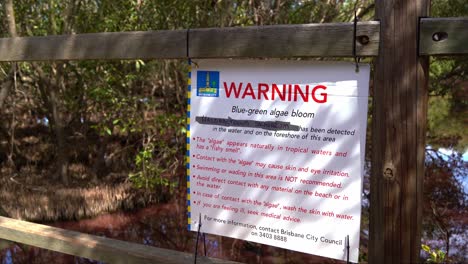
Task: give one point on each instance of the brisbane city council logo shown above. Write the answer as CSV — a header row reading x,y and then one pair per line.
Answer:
x,y
208,83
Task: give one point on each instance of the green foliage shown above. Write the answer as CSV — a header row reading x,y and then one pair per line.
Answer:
x,y
446,127
435,256
160,156
448,105
449,8
148,174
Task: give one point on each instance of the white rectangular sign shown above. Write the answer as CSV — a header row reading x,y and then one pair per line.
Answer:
x,y
276,152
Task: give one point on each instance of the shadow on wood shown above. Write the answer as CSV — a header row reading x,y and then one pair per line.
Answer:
x,y
91,247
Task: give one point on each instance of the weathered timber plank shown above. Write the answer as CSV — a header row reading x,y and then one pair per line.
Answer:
x,y
456,41
89,246
314,40
116,45
398,134
320,40
266,41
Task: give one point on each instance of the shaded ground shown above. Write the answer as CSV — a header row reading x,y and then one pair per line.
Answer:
x,y
98,170
45,201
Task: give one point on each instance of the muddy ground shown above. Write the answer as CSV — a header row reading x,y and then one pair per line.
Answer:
x,y
34,197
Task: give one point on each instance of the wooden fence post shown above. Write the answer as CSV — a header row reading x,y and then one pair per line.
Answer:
x,y
398,136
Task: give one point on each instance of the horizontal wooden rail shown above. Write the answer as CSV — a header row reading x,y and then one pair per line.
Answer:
x,y
117,45
265,41
308,40
315,40
443,36
89,246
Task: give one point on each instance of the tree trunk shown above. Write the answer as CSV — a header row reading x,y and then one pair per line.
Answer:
x,y
4,91
50,93
99,167
10,19
5,88
447,242
62,159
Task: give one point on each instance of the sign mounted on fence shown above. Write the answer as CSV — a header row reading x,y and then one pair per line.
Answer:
x,y
276,152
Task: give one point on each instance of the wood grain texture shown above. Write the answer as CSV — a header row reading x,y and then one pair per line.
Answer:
x,y
322,40
89,246
268,41
398,135
457,36
279,41
121,45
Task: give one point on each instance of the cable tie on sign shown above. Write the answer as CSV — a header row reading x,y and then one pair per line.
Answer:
x,y
347,249
356,58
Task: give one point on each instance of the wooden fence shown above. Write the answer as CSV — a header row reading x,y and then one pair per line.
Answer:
x,y
92,247
309,40
400,41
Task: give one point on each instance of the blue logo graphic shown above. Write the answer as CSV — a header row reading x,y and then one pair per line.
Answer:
x,y
208,83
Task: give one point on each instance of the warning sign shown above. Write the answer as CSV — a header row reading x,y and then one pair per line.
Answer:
x,y
275,152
